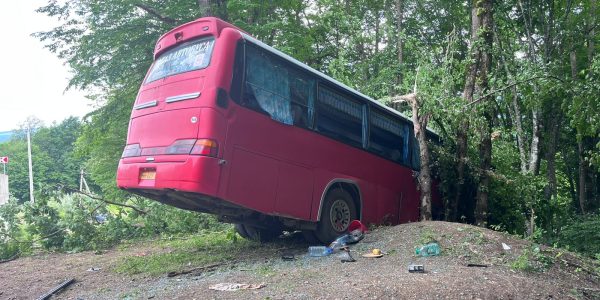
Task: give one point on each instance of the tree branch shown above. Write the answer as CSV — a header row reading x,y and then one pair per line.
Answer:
x,y
151,11
509,86
143,212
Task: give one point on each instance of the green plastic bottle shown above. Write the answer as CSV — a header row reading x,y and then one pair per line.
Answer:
x,y
431,249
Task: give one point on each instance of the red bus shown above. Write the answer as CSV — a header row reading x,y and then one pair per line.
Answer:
x,y
227,125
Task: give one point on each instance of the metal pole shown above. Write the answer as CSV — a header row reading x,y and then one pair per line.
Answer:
x,y
30,165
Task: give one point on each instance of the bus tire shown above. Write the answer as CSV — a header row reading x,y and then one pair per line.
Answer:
x,y
338,211
310,237
239,228
258,234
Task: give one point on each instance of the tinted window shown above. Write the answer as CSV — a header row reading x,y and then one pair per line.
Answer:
x,y
272,87
339,117
186,57
389,137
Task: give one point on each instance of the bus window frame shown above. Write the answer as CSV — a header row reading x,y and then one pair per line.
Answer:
x,y
175,46
321,82
309,108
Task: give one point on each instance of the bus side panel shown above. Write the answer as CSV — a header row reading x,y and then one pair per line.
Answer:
x,y
294,191
389,207
252,180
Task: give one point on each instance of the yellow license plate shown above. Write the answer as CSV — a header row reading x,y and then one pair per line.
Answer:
x,y
148,175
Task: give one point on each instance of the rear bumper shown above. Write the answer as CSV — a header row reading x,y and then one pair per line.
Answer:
x,y
195,174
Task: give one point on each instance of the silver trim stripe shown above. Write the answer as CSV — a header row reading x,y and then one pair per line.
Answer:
x,y
146,104
182,97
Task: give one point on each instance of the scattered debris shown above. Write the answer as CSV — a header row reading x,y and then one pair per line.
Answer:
x,y
288,256
431,249
375,253
141,254
94,269
317,251
56,289
416,269
227,287
347,257
193,270
477,265
505,246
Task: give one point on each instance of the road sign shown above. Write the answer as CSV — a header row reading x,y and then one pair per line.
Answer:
x,y
4,159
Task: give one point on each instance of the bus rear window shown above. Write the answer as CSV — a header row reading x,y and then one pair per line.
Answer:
x,y
186,57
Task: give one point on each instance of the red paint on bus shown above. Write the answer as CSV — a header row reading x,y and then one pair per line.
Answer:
x,y
253,166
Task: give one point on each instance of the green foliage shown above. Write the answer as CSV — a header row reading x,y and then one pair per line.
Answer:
x,y
77,223
197,250
582,235
532,259
108,45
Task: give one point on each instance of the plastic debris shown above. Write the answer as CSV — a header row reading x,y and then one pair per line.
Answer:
x,y
346,257
416,269
431,249
94,269
505,246
317,251
228,287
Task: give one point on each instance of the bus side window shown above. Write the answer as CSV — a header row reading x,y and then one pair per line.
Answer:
x,y
339,117
389,138
267,86
238,73
302,99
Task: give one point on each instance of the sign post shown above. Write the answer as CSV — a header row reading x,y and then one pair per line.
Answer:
x,y
4,161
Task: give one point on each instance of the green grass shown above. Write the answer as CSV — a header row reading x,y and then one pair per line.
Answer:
x,y
183,253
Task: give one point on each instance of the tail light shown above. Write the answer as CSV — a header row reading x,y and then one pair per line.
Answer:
x,y
132,150
205,147
181,147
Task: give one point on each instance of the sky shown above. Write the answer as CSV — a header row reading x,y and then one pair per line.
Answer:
x,y
32,79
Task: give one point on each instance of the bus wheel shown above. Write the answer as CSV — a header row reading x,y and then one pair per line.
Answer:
x,y
256,234
239,228
338,211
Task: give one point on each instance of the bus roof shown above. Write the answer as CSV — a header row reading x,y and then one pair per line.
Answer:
x,y
326,77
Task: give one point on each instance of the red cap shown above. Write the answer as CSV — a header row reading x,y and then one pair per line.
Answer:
x,y
356,224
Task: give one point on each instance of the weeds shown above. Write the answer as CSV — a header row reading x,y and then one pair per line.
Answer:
x,y
177,254
532,259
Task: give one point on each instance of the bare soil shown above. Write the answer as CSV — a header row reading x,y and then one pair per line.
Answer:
x,y
544,274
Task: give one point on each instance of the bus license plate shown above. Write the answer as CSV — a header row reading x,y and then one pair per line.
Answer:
x,y
148,175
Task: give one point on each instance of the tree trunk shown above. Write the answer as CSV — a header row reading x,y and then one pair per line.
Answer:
x,y
534,156
485,147
420,121
420,131
582,176
463,126
205,8
399,41
550,190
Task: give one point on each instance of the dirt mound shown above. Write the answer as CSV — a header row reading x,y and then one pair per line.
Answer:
x,y
525,271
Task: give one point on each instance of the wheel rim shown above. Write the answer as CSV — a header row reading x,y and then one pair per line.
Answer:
x,y
339,215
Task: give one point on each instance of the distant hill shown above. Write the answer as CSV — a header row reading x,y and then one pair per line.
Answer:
x,y
5,136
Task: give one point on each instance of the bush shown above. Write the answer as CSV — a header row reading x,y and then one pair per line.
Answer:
x,y
77,223
582,235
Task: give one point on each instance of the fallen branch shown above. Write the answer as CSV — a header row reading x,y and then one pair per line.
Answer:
x,y
141,211
177,273
56,289
11,258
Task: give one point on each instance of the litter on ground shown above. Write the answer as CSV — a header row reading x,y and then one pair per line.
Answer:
x,y
228,287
